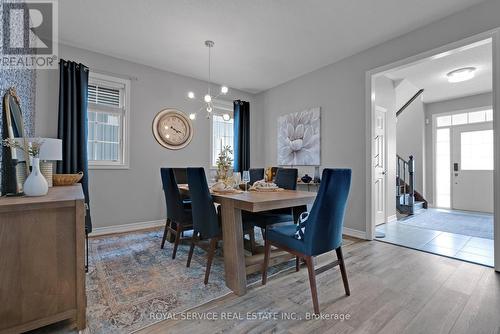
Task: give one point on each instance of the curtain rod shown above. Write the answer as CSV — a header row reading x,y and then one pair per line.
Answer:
x,y
123,76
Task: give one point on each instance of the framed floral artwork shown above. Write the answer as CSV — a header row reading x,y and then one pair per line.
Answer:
x,y
299,138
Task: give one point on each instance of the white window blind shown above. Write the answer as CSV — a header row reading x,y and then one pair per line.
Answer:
x,y
104,96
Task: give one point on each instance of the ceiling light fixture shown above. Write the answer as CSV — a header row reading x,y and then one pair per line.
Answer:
x,y
208,99
462,74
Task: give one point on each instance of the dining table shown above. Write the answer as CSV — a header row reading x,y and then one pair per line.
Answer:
x,y
236,265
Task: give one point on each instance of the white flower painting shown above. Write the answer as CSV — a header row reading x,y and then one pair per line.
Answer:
x,y
299,138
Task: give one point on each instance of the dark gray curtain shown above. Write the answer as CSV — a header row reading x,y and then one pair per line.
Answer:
x,y
241,135
72,126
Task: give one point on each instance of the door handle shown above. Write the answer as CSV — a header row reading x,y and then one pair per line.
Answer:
x,y
455,166
384,172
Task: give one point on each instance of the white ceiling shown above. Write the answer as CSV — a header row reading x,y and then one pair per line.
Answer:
x,y
431,74
258,44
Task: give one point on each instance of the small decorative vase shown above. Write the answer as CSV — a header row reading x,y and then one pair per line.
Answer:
x,y
306,178
35,184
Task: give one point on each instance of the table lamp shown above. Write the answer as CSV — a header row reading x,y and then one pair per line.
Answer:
x,y
50,151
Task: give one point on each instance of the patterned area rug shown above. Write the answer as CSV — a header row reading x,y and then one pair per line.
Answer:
x,y
130,278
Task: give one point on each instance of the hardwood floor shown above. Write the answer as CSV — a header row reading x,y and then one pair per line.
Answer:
x,y
393,290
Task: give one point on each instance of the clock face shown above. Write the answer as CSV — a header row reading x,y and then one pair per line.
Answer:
x,y
172,129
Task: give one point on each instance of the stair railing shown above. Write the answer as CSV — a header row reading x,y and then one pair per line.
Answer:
x,y
405,176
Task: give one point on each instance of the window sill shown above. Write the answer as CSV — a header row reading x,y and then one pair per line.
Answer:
x,y
124,166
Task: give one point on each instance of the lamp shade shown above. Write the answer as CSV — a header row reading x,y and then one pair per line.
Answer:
x,y
51,149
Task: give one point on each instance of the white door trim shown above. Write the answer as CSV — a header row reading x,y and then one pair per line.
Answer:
x,y
369,112
385,191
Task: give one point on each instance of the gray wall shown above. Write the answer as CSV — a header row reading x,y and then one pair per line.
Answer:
x,y
135,195
339,89
468,102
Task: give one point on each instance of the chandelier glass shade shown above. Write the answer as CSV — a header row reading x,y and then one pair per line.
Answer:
x,y
208,99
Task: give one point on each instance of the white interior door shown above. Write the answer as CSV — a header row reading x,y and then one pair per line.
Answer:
x,y
472,167
379,164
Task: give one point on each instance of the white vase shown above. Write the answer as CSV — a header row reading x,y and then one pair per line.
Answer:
x,y
35,184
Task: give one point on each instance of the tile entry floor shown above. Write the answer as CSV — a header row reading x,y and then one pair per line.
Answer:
x,y
463,247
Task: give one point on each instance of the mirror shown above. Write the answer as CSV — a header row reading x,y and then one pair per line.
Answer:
x,y
13,126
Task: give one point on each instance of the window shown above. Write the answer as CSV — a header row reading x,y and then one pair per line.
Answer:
x,y
222,129
478,116
476,150
108,114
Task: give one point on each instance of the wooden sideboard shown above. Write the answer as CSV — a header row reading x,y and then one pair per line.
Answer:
x,y
42,271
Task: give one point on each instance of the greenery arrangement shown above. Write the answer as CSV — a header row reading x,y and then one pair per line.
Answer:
x,y
224,162
32,149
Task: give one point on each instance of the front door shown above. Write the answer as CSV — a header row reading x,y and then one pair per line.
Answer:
x,y
379,164
472,167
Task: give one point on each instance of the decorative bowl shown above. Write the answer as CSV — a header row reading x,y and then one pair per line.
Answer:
x,y
66,179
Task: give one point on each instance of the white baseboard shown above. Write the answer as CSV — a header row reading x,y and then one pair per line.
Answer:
x,y
392,218
354,233
126,227
156,223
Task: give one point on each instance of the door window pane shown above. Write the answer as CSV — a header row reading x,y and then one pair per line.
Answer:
x,y
443,168
476,150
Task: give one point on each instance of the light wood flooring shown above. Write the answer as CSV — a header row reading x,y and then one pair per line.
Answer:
x,y
393,290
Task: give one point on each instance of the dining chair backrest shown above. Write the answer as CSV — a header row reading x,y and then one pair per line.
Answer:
x,y
256,174
180,175
324,226
286,178
205,217
173,198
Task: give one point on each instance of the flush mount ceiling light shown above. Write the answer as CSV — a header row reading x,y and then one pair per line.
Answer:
x,y
462,74
208,99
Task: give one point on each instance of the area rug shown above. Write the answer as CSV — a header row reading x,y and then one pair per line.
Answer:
x,y
459,222
130,278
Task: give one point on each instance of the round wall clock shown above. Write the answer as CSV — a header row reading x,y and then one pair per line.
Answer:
x,y
172,129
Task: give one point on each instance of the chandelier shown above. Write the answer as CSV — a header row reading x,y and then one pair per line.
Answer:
x,y
208,99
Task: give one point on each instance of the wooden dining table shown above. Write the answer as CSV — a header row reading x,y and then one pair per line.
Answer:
x,y
236,265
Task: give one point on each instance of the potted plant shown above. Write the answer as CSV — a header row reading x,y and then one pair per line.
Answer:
x,y
35,184
224,163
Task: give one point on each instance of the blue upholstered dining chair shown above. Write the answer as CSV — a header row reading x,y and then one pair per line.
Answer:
x,y
323,230
179,216
206,218
286,178
256,174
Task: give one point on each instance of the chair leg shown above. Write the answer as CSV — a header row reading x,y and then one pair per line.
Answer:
x,y
252,241
165,232
177,239
263,231
191,248
267,254
343,272
297,263
211,253
312,283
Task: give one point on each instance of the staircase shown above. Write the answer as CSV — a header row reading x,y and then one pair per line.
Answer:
x,y
408,201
